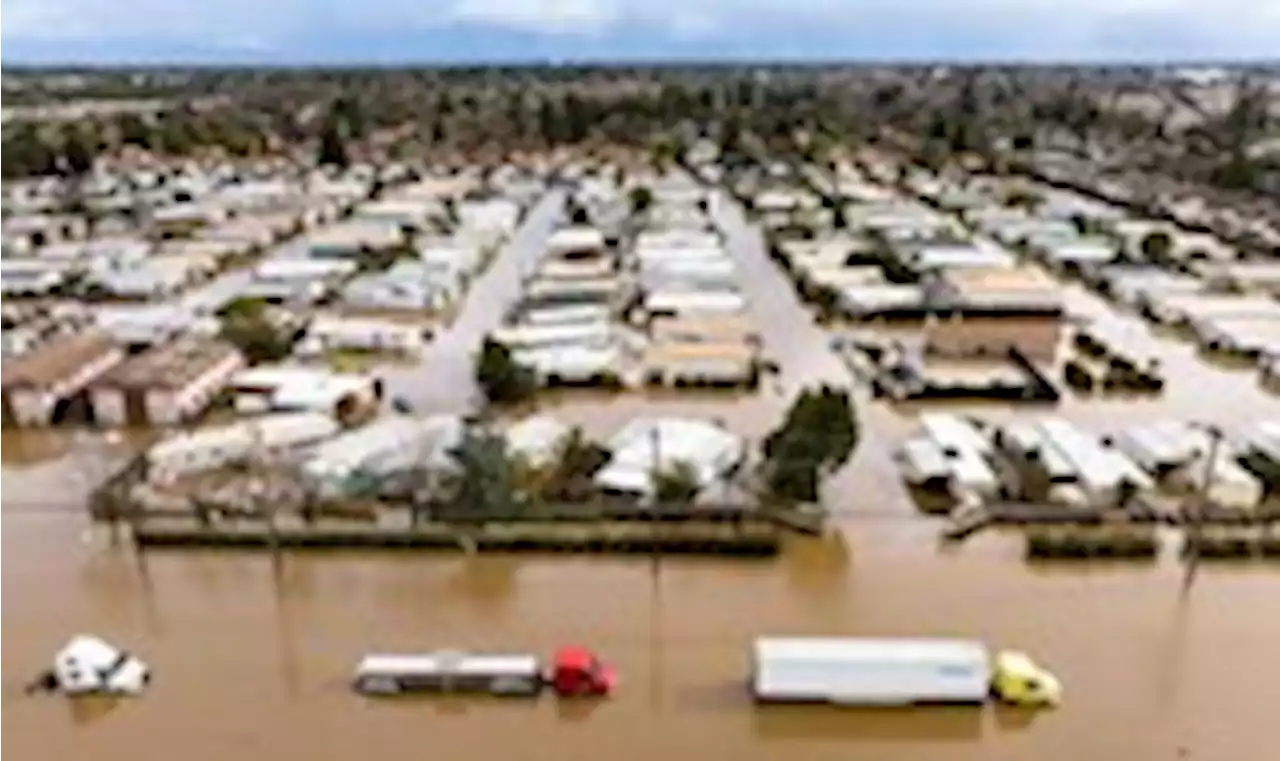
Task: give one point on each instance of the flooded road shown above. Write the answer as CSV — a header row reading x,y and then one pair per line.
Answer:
x,y
443,381
252,659
253,663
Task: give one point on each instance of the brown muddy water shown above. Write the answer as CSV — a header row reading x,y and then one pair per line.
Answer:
x,y
252,659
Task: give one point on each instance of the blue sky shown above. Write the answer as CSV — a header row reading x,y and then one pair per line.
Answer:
x,y
388,31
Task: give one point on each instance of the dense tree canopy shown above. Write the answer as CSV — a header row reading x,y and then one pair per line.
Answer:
x,y
819,433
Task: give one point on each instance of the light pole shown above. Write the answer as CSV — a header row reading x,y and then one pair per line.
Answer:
x,y
1195,515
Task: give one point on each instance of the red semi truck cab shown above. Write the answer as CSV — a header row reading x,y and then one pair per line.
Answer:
x,y
578,672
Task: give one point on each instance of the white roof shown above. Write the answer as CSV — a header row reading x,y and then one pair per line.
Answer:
x,y
695,301
361,446
594,333
648,442
923,460
573,238
1161,444
571,362
449,663
828,649
290,267
939,257
953,431
537,438
1093,463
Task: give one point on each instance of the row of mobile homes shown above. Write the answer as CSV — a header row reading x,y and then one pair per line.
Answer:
x,y
154,278
32,277
949,455
361,334
39,386
297,280
356,461
269,437
565,327
350,239
1056,460
165,385
991,312
142,325
716,350
406,286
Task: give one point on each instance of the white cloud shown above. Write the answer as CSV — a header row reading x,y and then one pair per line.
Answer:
x,y
1083,27
554,16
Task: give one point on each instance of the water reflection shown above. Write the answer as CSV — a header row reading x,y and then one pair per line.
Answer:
x,y
825,723
91,709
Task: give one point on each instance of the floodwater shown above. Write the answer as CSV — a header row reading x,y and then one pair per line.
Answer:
x,y
252,657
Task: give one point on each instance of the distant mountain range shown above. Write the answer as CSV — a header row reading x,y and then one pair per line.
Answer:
x,y
481,43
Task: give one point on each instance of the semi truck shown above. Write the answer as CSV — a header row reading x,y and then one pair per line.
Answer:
x,y
573,672
89,665
886,672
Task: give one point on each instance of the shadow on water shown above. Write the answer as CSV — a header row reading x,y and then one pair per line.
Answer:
x,y
569,710
447,705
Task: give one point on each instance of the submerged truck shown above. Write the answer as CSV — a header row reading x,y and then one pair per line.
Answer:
x,y
89,665
887,672
573,672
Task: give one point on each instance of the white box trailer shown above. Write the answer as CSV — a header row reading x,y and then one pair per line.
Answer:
x,y
896,672
855,671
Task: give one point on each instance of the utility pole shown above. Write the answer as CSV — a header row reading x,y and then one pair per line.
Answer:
x,y
258,488
1195,516
655,573
655,469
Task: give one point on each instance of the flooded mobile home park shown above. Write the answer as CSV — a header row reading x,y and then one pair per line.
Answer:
x,y
670,334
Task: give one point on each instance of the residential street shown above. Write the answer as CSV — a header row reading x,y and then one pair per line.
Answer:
x,y
442,381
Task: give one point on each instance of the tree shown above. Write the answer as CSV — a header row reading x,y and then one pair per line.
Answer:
x,y
578,460
500,377
641,199
247,325
819,433
481,486
78,152
677,482
333,147
1157,246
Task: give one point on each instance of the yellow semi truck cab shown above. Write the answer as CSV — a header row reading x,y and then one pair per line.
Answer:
x,y
1018,680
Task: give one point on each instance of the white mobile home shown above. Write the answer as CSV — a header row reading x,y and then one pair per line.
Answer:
x,y
295,388
927,464
1229,485
382,448
269,436
1161,447
538,440
327,333
955,432
648,443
